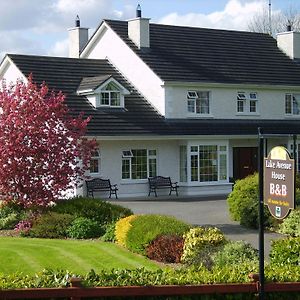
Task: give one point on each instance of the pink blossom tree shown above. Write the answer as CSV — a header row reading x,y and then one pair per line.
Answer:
x,y
43,151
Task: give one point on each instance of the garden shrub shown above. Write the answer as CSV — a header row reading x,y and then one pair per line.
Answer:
x,y
10,215
166,248
285,251
23,228
291,225
200,243
51,225
95,209
234,253
109,235
145,228
121,229
84,228
243,203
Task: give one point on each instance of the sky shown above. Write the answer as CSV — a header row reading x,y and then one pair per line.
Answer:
x,y
40,26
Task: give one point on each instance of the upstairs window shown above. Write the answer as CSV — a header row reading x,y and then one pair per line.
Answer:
x,y
247,103
292,104
198,102
110,95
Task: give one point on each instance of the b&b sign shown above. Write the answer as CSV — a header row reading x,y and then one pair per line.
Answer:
x,y
279,192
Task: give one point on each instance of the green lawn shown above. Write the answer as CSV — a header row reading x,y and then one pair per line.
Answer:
x,y
33,255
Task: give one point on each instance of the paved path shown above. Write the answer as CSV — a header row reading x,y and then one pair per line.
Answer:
x,y
210,211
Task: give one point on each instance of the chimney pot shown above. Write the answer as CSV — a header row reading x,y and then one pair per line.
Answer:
x,y
289,26
138,11
77,21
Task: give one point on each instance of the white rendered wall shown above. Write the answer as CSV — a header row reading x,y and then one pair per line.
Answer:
x,y
11,73
131,66
223,102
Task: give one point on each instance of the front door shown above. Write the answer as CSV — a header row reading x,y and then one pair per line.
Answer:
x,y
244,161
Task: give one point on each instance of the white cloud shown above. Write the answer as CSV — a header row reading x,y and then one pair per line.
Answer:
x,y
235,15
60,48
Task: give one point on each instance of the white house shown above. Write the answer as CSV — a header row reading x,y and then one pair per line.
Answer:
x,y
175,101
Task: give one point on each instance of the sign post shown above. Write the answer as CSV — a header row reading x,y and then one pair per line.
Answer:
x,y
276,190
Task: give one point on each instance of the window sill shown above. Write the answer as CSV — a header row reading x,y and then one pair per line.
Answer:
x,y
133,181
247,114
292,116
199,116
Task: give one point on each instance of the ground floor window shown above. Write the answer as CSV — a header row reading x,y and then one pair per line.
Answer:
x,y
203,163
95,162
141,164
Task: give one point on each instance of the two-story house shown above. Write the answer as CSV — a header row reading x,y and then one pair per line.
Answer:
x,y
175,101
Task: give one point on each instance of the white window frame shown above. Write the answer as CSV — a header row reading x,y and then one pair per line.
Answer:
x,y
129,160
97,159
194,101
294,104
245,102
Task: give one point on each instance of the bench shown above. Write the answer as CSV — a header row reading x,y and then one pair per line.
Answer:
x,y
99,184
160,182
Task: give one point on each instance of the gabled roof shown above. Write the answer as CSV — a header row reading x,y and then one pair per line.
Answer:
x,y
191,54
138,118
92,83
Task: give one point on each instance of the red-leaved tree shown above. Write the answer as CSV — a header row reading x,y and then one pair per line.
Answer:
x,y
43,151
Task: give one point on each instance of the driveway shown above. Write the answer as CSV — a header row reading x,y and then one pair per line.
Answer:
x,y
209,211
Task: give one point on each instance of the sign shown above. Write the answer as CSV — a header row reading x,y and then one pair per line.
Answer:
x,y
279,192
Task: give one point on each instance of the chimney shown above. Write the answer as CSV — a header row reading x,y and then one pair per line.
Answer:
x,y
289,42
138,30
78,37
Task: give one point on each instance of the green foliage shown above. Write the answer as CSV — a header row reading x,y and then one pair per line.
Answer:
x,y
121,229
95,209
243,203
51,225
166,248
234,253
200,243
285,252
10,215
145,228
109,235
84,228
291,225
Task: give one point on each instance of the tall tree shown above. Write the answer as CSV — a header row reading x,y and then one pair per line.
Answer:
x,y
279,21
43,151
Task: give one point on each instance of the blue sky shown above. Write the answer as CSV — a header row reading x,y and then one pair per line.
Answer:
x,y
40,26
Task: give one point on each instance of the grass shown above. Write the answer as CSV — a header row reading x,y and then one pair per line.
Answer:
x,y
29,256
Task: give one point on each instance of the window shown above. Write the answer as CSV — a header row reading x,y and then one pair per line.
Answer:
x,y
141,165
110,95
198,102
95,162
292,104
247,102
208,163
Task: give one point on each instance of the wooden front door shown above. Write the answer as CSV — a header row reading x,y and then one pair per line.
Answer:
x,y
244,161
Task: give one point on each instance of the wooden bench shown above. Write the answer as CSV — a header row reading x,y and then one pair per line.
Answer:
x,y
99,184
160,182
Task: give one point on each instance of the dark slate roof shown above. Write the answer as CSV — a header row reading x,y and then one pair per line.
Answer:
x,y
191,54
138,117
92,83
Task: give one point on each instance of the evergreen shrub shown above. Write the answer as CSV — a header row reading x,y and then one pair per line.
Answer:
x,y
84,228
145,228
200,243
51,225
121,229
285,252
291,225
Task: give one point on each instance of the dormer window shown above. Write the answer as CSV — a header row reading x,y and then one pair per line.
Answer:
x,y
103,91
110,95
198,102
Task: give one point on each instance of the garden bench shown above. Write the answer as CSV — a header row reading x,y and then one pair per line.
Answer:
x,y
160,182
99,184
